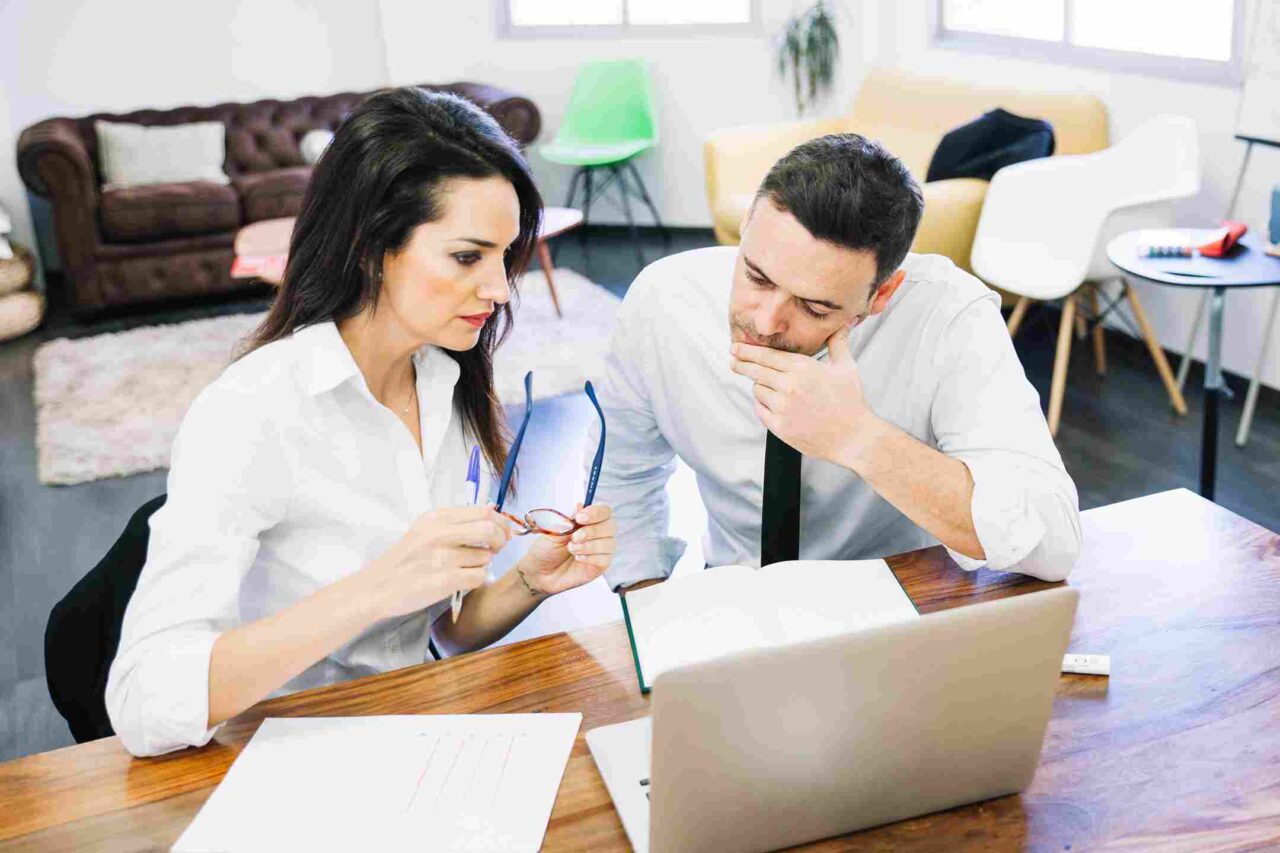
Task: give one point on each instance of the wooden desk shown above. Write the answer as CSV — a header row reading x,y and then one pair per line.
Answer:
x,y
1179,748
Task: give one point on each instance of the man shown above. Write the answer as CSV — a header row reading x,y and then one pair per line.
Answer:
x,y
892,376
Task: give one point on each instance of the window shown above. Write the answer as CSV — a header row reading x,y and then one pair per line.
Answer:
x,y
624,17
1192,39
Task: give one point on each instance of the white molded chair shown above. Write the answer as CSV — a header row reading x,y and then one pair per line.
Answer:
x,y
1045,225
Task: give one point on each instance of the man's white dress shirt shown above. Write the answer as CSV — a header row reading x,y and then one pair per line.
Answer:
x,y
938,363
286,475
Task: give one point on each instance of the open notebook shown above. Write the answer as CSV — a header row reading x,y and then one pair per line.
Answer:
x,y
728,609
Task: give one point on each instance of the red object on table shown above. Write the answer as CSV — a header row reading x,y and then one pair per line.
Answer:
x,y
1224,239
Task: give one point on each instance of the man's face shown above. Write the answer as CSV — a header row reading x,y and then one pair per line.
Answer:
x,y
791,291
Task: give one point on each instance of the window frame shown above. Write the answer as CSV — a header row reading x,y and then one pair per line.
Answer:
x,y
1063,52
506,29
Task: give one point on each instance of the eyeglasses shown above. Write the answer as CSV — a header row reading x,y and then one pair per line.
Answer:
x,y
551,522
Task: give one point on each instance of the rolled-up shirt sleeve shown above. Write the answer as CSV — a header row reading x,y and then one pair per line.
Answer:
x,y
986,413
229,481
638,459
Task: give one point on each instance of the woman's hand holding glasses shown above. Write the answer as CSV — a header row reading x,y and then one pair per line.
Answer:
x,y
571,549
569,552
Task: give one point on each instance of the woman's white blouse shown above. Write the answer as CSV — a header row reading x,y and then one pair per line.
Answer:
x,y
286,475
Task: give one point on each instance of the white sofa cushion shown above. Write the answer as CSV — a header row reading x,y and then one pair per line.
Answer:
x,y
134,155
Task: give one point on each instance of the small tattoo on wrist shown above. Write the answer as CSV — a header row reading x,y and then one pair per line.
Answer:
x,y
533,592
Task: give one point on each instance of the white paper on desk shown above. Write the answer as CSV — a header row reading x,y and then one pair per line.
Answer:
x,y
426,782
729,609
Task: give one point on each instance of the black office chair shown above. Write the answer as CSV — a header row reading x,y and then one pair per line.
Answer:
x,y
83,633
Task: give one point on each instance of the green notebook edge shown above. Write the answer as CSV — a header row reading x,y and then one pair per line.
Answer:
x,y
631,637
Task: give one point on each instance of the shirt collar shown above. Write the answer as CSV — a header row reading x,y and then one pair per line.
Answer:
x,y
328,363
324,357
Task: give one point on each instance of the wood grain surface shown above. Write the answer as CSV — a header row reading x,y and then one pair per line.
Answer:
x,y
1178,749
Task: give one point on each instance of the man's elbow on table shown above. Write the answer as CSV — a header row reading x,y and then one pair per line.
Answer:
x,y
1059,548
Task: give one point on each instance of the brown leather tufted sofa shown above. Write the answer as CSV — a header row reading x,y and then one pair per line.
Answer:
x,y
139,244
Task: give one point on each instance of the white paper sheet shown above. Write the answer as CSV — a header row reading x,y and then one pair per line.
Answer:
x,y
426,782
730,609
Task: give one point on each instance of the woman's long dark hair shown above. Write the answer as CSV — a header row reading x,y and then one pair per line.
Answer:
x,y
379,179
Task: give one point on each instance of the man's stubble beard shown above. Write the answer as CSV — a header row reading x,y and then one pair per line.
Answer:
x,y
777,342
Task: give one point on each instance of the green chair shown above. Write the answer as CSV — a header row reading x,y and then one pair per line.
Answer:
x,y
609,122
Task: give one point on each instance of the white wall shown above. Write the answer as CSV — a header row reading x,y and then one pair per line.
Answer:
x,y
60,58
1131,99
700,84
12,193
68,58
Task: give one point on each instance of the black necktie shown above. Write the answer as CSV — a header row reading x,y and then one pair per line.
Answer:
x,y
780,521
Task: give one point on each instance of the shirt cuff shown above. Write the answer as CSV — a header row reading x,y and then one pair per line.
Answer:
x,y
175,708
1007,528
646,561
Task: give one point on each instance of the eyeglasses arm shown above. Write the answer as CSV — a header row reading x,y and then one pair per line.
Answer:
x,y
599,460
515,445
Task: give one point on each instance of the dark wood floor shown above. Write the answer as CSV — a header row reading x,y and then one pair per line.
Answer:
x,y
1119,439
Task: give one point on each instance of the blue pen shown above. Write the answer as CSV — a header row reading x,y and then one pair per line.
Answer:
x,y
473,480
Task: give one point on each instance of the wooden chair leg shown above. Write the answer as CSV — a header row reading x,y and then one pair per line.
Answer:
x,y
544,258
1099,340
1157,354
1015,317
1059,385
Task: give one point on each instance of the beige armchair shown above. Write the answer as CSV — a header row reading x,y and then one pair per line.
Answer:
x,y
908,115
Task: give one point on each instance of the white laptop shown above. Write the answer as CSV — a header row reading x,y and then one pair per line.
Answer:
x,y
775,747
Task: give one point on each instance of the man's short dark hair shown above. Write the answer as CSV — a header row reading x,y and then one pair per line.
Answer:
x,y
848,190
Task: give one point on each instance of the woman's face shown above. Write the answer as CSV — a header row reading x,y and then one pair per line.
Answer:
x,y
451,275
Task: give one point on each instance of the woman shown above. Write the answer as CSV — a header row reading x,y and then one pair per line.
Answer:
x,y
317,520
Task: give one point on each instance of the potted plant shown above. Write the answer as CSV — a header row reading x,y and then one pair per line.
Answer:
x,y
808,52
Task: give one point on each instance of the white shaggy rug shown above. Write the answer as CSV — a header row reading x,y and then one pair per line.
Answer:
x,y
110,405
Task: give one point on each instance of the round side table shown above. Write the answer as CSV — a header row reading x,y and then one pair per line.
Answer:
x,y
1247,265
